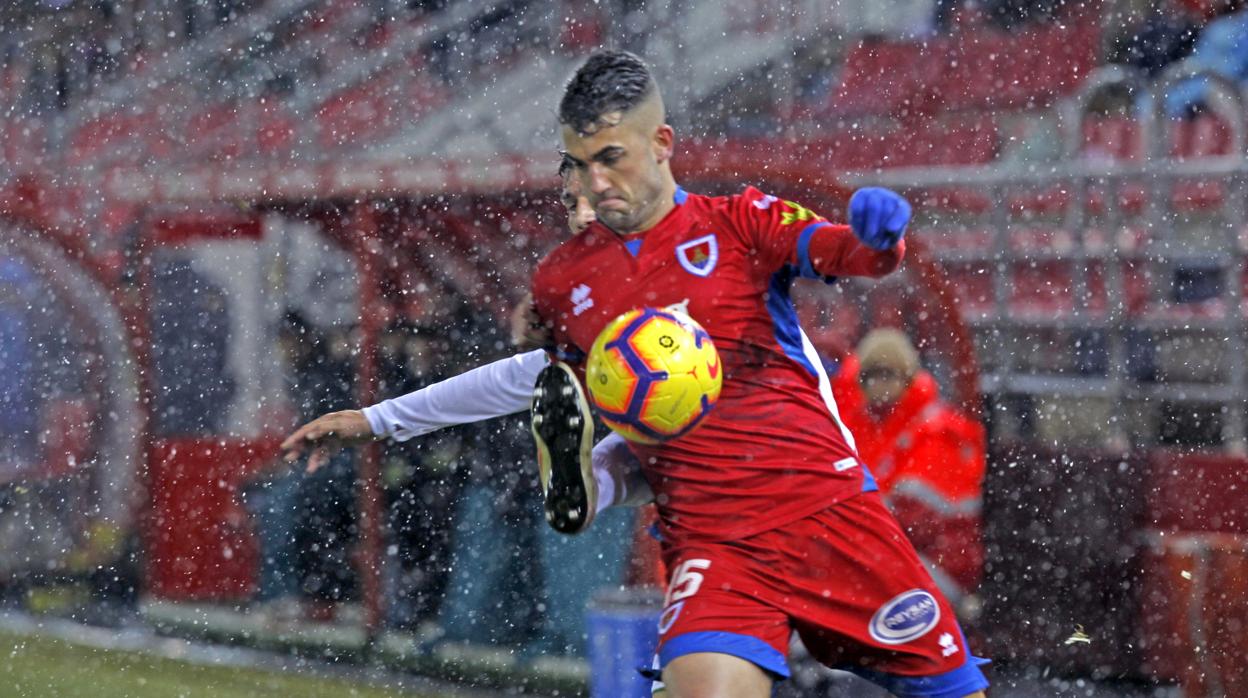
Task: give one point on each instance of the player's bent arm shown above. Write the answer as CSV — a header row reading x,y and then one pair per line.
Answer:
x,y
618,473
836,251
873,245
494,390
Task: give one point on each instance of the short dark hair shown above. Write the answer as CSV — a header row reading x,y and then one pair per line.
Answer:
x,y
609,80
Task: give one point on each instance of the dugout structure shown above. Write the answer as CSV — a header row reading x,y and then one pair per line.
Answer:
x,y
74,416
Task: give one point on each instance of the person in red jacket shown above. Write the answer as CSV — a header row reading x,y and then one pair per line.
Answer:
x,y
927,457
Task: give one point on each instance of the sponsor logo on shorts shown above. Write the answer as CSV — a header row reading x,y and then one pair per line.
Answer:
x,y
906,617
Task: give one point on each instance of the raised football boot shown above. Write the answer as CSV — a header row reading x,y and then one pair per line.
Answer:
x,y
563,428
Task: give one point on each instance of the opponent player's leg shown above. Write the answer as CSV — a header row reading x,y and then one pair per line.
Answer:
x,y
563,430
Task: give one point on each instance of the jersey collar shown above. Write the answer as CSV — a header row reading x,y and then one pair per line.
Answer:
x,y
679,198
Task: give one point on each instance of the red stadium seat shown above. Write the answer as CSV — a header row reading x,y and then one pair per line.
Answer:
x,y
881,77
360,112
974,285
1048,202
956,140
24,140
1199,195
1043,287
961,241
956,201
974,75
1061,57
1112,138
1132,197
275,130
116,138
1097,301
1204,136
215,133
1049,240
1117,138
978,68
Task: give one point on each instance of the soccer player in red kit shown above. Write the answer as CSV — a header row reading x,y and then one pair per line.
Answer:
x,y
769,521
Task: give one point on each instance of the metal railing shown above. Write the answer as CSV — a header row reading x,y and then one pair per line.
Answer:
x,y
1180,236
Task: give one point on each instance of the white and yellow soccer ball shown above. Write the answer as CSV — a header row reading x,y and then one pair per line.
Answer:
x,y
653,375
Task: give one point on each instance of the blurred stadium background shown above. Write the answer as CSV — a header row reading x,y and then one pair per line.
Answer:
x,y
219,217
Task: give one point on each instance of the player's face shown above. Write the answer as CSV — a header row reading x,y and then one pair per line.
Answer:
x,y
580,211
882,385
618,167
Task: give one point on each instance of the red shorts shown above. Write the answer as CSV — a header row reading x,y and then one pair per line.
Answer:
x,y
846,579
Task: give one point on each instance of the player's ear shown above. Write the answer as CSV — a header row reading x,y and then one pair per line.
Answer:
x,y
663,142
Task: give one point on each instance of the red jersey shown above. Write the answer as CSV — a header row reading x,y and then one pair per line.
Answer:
x,y
773,450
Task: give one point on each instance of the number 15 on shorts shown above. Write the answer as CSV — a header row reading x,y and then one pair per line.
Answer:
x,y
686,580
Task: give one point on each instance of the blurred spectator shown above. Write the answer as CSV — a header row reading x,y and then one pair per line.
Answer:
x,y
946,11
424,7
928,458
1013,14
950,15
190,341
493,583
272,496
1223,49
18,402
422,479
325,527
1161,38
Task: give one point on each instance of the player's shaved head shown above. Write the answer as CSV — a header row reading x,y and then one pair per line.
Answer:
x,y
616,139
608,83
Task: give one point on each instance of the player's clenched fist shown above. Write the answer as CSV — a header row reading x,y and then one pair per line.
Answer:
x,y
878,217
325,435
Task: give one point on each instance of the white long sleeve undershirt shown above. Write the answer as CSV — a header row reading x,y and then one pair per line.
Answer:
x,y
494,390
497,390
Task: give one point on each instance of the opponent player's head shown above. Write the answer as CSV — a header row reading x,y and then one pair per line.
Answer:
x,y
888,362
572,196
615,137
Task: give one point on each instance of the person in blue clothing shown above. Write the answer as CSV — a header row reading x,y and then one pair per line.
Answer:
x,y
17,388
1221,48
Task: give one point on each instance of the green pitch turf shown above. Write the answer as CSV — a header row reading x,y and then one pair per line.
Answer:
x,y
36,667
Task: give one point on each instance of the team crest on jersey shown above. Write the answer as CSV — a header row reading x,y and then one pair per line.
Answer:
x,y
699,256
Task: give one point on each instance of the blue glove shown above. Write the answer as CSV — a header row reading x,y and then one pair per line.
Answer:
x,y
878,217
